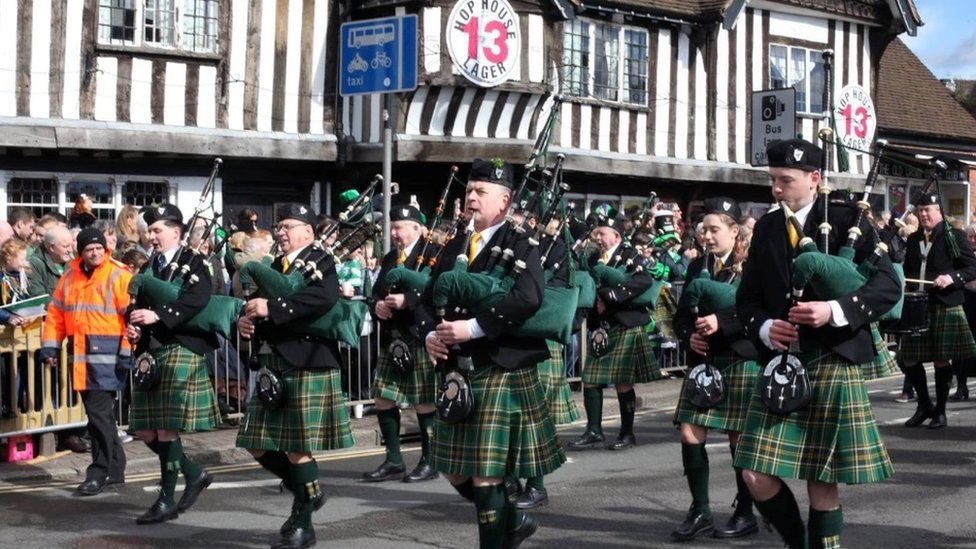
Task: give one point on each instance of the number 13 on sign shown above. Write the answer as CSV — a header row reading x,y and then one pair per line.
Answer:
x,y
484,41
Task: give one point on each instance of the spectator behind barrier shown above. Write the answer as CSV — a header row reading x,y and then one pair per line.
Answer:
x,y
6,232
82,215
13,280
110,232
47,263
247,220
127,224
134,259
22,222
255,248
143,229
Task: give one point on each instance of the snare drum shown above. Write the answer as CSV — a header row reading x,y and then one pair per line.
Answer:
x,y
914,316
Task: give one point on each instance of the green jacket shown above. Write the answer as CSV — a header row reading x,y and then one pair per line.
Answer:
x,y
44,273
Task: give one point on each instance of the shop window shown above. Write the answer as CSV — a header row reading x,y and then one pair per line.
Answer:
x,y
189,25
801,69
145,193
617,68
37,194
101,193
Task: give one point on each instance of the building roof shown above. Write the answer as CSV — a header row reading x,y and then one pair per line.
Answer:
x,y
912,100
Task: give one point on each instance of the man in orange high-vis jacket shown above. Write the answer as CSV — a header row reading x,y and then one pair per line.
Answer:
x,y
88,307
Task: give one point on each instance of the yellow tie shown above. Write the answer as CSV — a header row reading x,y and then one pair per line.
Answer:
x,y
928,237
604,258
284,263
718,265
473,246
403,258
794,236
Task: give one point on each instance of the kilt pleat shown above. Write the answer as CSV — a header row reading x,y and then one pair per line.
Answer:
x,y
314,416
630,359
552,376
947,338
663,315
884,363
184,398
418,387
739,377
509,433
834,439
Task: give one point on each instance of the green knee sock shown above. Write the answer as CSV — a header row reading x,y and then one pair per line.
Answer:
x,y
169,468
154,446
824,528
466,489
743,497
390,427
695,461
277,463
426,424
593,404
628,402
514,517
306,486
491,503
783,513
536,482
191,469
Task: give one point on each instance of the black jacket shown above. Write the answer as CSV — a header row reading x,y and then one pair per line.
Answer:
x,y
402,321
621,312
766,284
556,265
302,351
731,332
498,346
193,298
961,269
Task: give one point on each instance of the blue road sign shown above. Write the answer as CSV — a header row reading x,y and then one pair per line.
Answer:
x,y
378,55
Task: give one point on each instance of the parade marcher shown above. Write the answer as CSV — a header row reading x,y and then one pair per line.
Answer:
x,y
509,432
965,367
718,335
183,399
949,265
313,416
629,359
392,387
833,438
88,306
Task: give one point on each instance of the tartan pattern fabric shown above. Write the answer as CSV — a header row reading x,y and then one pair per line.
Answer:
x,y
834,439
418,387
947,338
314,416
884,363
629,359
739,377
663,315
509,433
552,376
184,398
830,542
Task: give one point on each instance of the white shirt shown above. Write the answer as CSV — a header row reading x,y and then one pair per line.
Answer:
x,y
294,254
409,249
168,257
610,253
837,316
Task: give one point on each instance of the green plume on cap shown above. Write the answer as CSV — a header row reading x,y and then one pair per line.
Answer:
x,y
347,197
497,162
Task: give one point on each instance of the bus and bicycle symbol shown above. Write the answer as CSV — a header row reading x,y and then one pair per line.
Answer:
x,y
376,35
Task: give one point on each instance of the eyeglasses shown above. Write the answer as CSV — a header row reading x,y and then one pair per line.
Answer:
x,y
285,227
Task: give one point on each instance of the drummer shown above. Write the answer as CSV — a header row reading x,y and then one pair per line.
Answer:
x,y
943,257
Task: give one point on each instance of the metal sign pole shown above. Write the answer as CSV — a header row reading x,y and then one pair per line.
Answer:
x,y
387,168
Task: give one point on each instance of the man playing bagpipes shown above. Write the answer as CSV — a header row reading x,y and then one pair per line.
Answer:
x,y
309,413
707,322
942,255
404,373
833,438
628,359
508,431
182,398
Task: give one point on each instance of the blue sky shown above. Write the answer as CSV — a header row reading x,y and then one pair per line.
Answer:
x,y
947,41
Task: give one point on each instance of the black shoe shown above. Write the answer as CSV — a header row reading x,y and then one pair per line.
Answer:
x,y
423,471
695,523
588,440
386,471
316,501
115,480
623,442
159,512
960,394
737,527
919,417
76,444
531,497
295,538
524,531
938,421
192,491
91,486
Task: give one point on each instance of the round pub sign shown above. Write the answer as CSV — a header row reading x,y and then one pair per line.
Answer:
x,y
484,40
856,118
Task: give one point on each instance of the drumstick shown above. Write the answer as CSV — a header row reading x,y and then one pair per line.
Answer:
x,y
918,281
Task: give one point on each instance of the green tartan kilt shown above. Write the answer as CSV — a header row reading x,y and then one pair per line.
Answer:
x,y
509,432
629,359
314,416
184,398
739,377
663,316
834,439
418,387
552,376
884,363
947,338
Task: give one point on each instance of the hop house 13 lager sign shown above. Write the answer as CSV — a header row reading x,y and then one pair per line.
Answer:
x,y
484,40
856,119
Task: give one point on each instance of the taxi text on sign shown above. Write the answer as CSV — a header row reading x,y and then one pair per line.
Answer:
x,y
484,40
773,118
378,55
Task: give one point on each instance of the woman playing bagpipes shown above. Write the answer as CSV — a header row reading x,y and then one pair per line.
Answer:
x,y
182,398
509,431
834,437
715,333
404,372
308,412
628,358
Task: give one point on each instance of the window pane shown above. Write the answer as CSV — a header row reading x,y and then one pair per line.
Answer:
x,y
635,66
816,82
145,193
116,21
576,58
777,66
40,195
798,77
607,53
160,20
200,25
